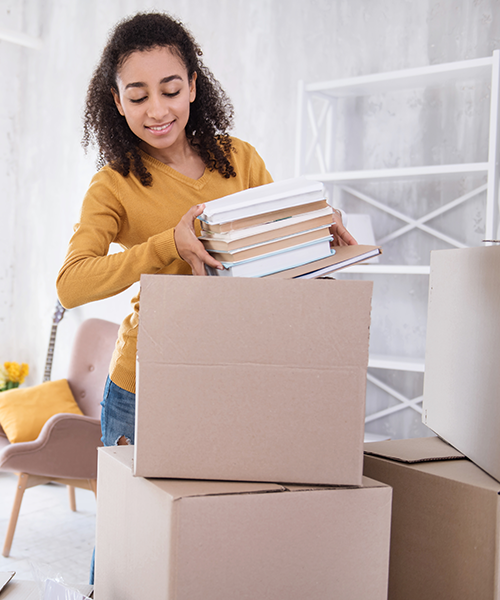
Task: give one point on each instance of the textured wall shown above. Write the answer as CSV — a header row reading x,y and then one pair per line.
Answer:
x,y
259,50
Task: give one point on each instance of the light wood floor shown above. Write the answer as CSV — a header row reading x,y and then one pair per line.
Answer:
x,y
50,539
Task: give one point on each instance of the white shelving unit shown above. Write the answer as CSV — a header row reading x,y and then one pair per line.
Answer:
x,y
318,123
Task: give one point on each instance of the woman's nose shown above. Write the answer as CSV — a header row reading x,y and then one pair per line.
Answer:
x,y
157,108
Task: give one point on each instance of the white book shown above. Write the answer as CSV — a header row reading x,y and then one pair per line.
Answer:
x,y
276,261
262,199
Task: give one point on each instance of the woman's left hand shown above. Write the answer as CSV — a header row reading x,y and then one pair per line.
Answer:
x,y
341,237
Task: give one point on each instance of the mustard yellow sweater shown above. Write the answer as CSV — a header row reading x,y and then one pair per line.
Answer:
x,y
142,220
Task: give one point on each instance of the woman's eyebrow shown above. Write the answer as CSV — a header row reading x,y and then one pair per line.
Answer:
x,y
138,84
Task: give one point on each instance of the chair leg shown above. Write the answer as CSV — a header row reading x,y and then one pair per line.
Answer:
x,y
72,498
21,487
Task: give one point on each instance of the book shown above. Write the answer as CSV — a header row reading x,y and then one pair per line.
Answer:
x,y
273,262
262,199
274,245
261,219
239,238
341,257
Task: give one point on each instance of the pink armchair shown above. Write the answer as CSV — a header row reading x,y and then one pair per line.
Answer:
x,y
66,449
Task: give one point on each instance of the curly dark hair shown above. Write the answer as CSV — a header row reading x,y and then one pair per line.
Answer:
x,y
211,113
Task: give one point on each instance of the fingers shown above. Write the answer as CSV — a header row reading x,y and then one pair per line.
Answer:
x,y
341,237
195,211
204,258
189,246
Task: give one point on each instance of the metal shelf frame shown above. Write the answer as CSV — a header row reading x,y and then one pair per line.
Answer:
x,y
317,113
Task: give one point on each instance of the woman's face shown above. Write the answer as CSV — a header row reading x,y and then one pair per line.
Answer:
x,y
154,96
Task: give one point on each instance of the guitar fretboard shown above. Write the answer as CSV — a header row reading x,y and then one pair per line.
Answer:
x,y
50,353
58,315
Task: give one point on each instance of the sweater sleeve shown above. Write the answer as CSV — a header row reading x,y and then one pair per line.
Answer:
x,y
89,273
259,175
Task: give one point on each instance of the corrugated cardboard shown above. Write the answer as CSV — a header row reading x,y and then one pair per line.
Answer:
x,y
445,521
462,363
252,379
207,540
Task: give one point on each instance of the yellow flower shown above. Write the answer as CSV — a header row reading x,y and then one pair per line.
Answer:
x,y
16,372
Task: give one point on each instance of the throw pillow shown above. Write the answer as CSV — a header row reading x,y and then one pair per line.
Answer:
x,y
24,411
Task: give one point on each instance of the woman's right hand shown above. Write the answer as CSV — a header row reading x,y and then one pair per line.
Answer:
x,y
189,246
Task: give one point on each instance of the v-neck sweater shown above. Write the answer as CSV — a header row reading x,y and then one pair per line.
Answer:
x,y
118,209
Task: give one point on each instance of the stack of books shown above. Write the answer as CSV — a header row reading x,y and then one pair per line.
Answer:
x,y
270,230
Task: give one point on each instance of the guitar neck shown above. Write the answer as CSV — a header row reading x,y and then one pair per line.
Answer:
x,y
50,353
58,315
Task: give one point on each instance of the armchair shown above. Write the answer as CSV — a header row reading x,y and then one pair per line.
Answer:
x,y
66,449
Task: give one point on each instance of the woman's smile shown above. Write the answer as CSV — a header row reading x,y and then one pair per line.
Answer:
x,y
160,129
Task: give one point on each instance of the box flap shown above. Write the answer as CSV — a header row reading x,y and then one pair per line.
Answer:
x,y
189,488
215,305
184,488
416,450
462,378
367,482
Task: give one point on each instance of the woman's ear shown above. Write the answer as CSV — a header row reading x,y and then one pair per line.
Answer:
x,y
192,87
116,98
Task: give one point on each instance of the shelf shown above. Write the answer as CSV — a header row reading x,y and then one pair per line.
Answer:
x,y
430,171
376,269
326,111
396,363
377,83
375,437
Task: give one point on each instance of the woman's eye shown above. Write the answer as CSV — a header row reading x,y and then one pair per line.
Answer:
x,y
172,94
137,100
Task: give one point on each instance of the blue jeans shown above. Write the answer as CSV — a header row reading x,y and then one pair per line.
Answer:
x,y
117,420
117,414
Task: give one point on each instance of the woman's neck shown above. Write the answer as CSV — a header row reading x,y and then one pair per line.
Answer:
x,y
183,159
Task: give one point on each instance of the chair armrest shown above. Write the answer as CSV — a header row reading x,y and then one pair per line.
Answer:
x,y
66,447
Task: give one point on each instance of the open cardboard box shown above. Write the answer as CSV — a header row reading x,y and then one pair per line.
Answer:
x,y
211,540
462,361
252,379
445,521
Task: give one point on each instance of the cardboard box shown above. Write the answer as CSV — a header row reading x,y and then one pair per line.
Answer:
x,y
252,379
445,521
207,540
462,374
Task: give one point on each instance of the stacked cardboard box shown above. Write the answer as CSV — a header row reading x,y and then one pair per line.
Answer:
x,y
445,529
245,480
445,521
257,379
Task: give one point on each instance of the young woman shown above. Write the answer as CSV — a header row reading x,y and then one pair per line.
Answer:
x,y
160,120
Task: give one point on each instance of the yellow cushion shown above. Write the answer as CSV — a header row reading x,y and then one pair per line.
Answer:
x,y
24,411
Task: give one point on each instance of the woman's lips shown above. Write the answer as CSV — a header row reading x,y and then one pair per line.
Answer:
x,y
160,129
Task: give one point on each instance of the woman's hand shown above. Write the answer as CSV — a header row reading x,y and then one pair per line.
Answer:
x,y
341,237
189,246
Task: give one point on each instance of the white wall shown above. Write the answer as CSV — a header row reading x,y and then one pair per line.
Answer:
x,y
258,49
